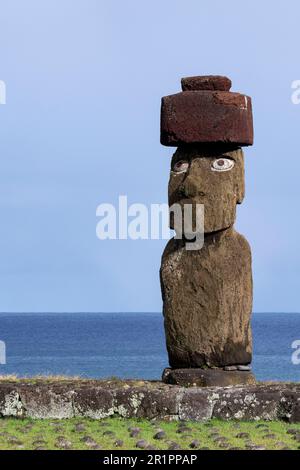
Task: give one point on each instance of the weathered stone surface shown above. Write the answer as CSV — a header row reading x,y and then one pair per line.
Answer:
x,y
207,293
149,400
289,408
142,402
252,403
202,116
195,405
207,301
93,402
218,191
10,402
206,82
207,377
43,401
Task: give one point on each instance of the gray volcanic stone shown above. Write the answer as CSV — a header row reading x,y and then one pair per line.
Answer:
x,y
242,435
42,401
143,402
289,408
93,402
174,446
195,406
119,443
160,435
63,443
243,402
249,403
195,444
142,444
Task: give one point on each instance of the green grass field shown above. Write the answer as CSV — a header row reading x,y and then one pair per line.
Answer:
x,y
120,433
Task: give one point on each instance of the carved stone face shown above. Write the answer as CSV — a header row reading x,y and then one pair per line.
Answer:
x,y
210,176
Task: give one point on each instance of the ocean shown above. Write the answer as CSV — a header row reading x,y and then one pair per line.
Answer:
x,y
126,345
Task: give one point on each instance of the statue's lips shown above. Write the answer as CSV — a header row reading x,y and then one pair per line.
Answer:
x,y
189,201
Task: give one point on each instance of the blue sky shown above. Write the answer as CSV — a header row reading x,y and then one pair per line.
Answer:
x,y
84,80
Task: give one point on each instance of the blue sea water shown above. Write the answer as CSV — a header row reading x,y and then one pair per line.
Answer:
x,y
127,345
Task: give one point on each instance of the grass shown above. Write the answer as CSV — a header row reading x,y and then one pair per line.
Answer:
x,y
86,434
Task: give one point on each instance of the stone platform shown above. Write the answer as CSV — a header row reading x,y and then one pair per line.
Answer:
x,y
98,399
207,377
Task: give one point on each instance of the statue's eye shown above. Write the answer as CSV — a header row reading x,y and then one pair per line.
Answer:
x,y
181,166
222,164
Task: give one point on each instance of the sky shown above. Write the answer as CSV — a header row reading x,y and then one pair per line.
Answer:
x,y
84,80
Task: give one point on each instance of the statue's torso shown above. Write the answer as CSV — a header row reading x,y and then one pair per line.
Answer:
x,y
207,296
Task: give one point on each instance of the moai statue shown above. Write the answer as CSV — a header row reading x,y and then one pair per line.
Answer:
x,y
207,293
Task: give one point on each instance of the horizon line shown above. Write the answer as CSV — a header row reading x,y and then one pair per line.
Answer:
x,y
111,312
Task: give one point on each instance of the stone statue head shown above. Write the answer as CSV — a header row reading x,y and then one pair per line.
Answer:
x,y
208,175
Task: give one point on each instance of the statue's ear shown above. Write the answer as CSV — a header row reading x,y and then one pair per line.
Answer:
x,y
240,178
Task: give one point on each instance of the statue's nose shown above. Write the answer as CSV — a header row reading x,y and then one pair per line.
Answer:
x,y
191,187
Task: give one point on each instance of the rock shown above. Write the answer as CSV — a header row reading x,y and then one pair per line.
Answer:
x,y
194,444
290,406
79,427
242,435
134,433
230,368
280,444
63,443
224,445
183,429
292,431
174,446
90,442
14,440
94,402
219,440
160,435
142,444
207,377
42,400
109,433
40,448
39,442
208,82
272,401
145,402
269,436
259,402
134,428
119,443
195,406
59,429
